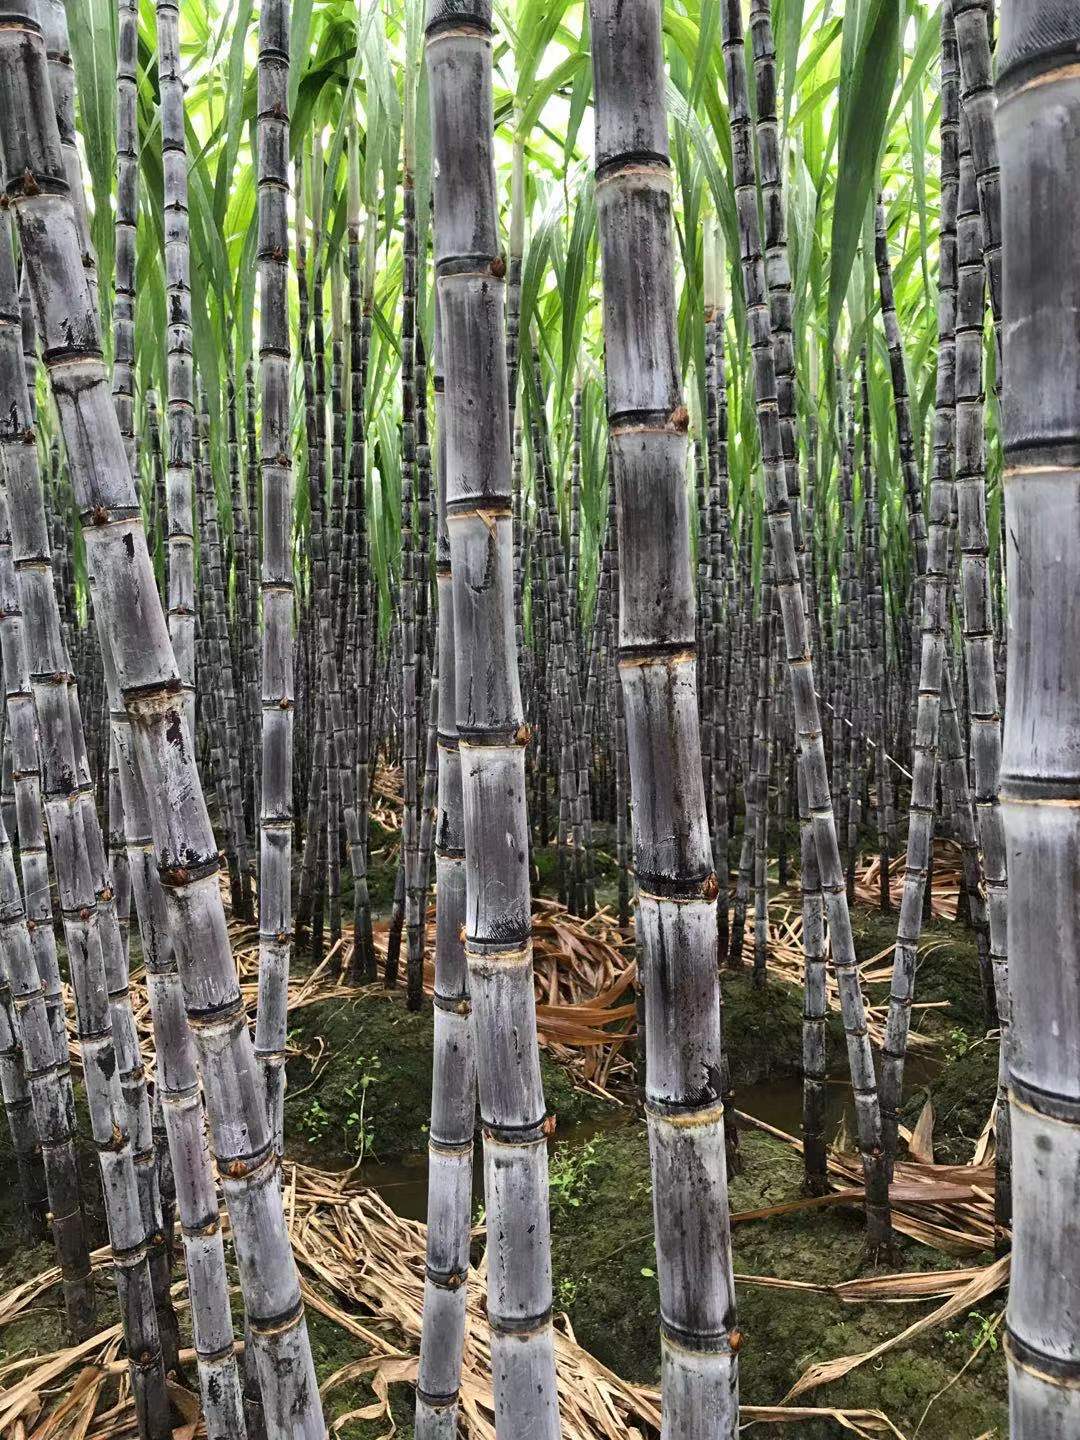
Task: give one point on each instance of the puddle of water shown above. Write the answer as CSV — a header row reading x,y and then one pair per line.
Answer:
x,y
403,1183
779,1102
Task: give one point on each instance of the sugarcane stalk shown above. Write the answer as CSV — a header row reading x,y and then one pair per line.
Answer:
x,y
1038,115
492,736
453,1090
677,886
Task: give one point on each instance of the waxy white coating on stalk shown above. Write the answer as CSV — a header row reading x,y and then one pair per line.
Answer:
x,y
1038,113
972,22
978,625
126,238
43,1070
777,265
22,1127
112,898
488,712
676,914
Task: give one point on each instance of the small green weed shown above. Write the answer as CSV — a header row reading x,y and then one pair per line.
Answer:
x,y
567,1173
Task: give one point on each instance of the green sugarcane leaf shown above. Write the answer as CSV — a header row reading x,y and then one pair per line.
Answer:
x,y
864,107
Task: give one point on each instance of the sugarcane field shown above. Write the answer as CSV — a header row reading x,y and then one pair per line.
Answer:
x,y
540,744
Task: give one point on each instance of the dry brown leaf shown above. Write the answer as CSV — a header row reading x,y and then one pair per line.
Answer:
x,y
921,1143
983,1283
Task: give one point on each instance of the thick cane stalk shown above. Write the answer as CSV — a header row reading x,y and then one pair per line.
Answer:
x,y
877,647
972,22
677,888
934,617
22,1127
50,1126
492,735
1038,93
29,954
111,1062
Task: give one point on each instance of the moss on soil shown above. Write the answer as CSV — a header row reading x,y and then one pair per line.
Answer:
x,y
962,1094
373,1053
948,968
604,1269
332,1349
365,1065
763,1029
382,871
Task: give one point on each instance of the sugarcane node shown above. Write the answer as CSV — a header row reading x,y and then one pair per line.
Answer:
x,y
498,267
736,1341
680,419
711,888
